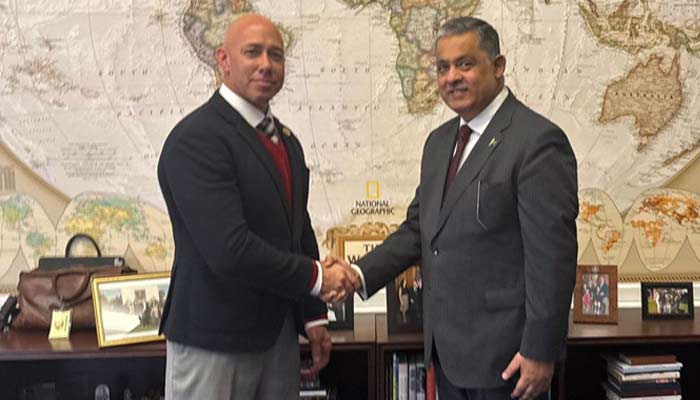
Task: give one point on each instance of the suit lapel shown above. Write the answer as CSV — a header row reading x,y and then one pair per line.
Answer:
x,y
480,154
296,166
250,136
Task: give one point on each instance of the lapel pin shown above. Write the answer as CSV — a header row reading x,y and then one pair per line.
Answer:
x,y
492,142
286,131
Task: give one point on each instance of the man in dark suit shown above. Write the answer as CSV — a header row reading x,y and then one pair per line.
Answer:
x,y
245,279
493,222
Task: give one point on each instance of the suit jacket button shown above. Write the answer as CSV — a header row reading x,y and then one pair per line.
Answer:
x,y
435,252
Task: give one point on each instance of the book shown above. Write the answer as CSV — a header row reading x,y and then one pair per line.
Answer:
x,y
395,377
402,392
430,392
312,394
620,377
644,390
420,369
644,359
610,395
412,377
631,369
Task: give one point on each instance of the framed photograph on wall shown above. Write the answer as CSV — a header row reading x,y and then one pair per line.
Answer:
x,y
667,300
128,308
595,294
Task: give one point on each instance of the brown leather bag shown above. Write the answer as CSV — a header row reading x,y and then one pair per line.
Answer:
x,y
41,292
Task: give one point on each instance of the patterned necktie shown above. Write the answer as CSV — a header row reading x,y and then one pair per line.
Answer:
x,y
267,126
462,139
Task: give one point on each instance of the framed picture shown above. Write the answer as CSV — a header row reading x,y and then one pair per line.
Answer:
x,y
595,294
128,307
350,248
667,300
404,302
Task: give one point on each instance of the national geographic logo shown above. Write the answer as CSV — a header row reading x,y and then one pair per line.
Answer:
x,y
372,205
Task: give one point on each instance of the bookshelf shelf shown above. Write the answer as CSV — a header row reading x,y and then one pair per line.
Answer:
x,y
77,366
585,369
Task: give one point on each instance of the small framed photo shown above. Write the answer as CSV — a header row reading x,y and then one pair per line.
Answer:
x,y
667,300
128,307
595,294
404,302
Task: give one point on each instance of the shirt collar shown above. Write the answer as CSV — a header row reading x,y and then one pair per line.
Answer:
x,y
250,113
479,123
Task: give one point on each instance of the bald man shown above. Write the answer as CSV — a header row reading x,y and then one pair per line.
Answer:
x,y
245,280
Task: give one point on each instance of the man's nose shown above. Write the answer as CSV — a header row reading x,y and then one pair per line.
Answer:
x,y
265,62
453,74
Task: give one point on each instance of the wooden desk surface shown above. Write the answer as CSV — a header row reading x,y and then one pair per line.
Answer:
x,y
384,338
369,329
363,332
632,329
18,345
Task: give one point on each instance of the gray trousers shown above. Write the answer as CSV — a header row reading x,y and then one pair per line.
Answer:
x,y
195,373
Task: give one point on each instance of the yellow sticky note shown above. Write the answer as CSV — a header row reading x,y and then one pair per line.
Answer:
x,y
60,324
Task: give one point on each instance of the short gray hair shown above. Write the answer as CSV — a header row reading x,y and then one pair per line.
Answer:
x,y
488,37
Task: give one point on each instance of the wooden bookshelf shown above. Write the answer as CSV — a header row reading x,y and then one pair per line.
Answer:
x,y
358,361
387,344
78,365
584,368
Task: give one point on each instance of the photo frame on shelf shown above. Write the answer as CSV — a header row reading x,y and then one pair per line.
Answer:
x,y
404,302
349,248
595,294
128,308
667,300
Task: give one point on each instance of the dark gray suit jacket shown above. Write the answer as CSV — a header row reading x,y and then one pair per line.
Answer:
x,y
243,255
498,254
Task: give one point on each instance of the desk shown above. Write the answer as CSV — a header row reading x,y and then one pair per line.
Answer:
x,y
77,366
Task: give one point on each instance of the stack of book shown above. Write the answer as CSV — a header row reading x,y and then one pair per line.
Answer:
x,y
643,377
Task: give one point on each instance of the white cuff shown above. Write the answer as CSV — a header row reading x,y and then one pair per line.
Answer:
x,y
317,322
316,290
363,290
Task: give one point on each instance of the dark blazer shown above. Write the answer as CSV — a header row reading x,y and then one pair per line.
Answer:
x,y
498,254
243,256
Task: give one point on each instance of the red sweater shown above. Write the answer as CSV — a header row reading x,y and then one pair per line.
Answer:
x,y
281,159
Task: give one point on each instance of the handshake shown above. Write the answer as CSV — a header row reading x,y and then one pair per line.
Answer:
x,y
340,280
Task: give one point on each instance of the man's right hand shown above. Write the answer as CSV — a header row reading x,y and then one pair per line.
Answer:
x,y
339,280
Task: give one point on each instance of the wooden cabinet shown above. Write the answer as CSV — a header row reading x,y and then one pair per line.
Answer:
x,y
351,370
584,368
74,368
358,364
387,345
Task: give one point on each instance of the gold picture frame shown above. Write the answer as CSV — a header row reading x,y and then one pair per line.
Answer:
x,y
128,308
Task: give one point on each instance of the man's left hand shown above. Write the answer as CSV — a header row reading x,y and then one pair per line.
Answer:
x,y
535,377
320,341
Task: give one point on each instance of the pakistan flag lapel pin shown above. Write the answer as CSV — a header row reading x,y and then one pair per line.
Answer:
x,y
286,131
493,142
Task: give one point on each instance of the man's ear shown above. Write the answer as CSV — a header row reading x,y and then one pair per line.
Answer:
x,y
222,60
499,64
